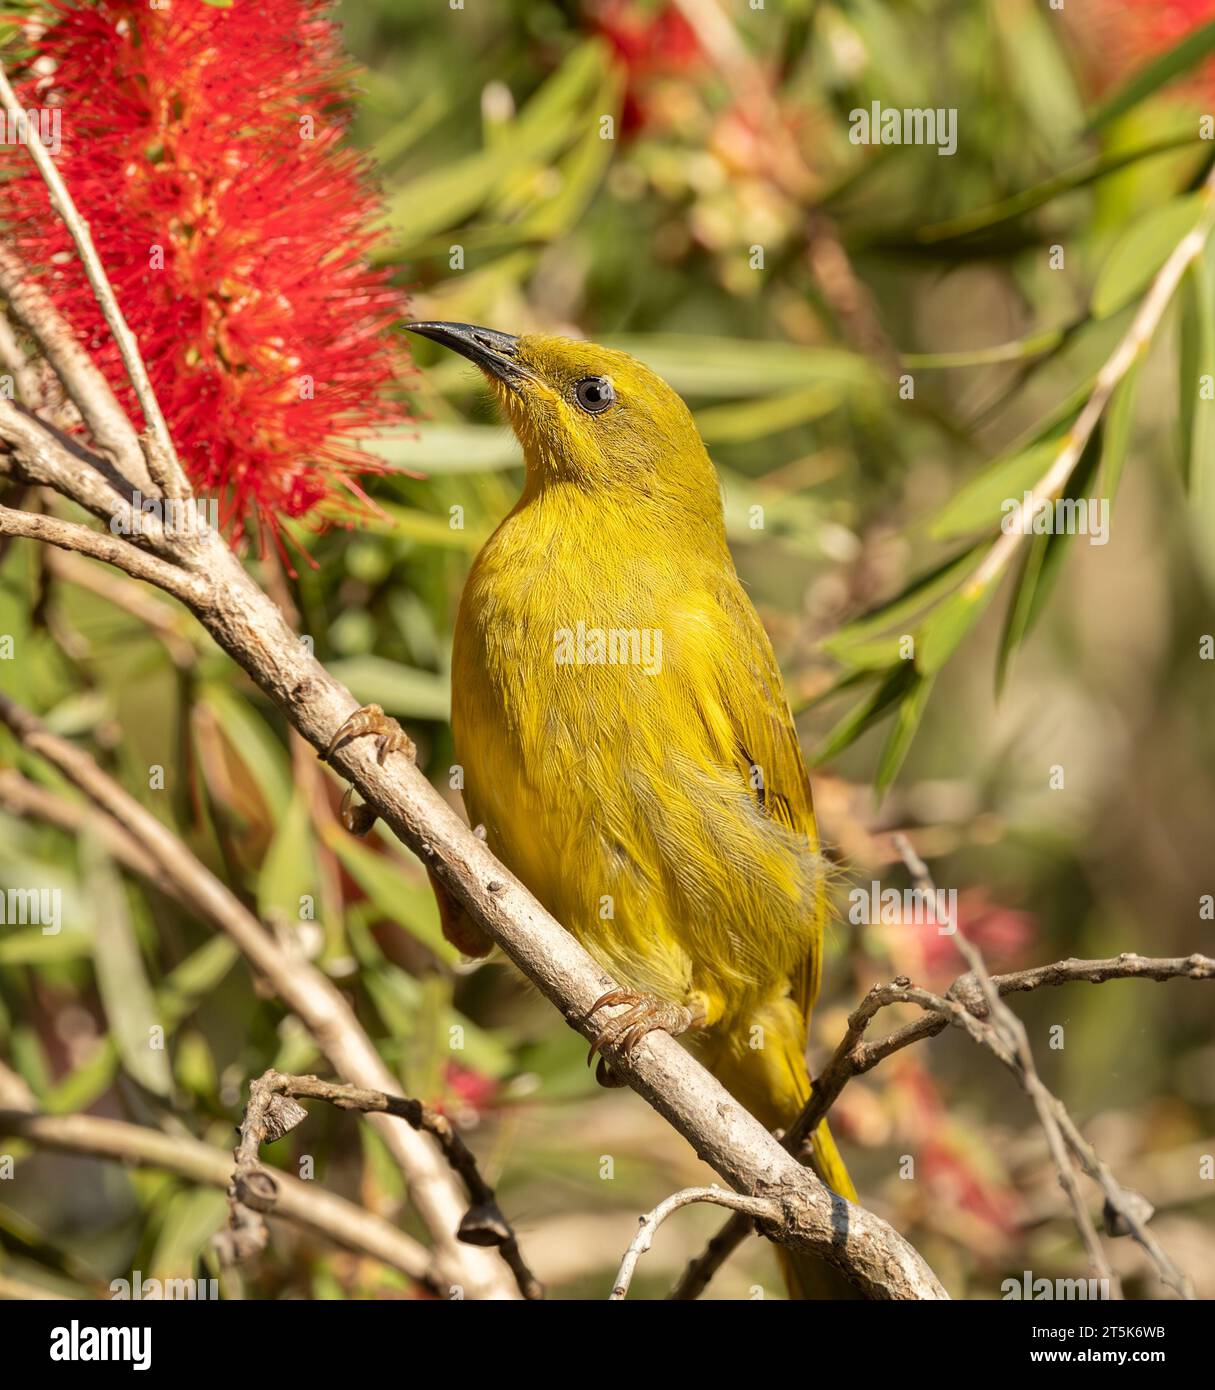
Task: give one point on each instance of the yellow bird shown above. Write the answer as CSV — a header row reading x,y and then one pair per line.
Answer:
x,y
623,730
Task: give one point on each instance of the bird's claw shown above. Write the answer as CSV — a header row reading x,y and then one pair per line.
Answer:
x,y
390,738
646,1014
371,719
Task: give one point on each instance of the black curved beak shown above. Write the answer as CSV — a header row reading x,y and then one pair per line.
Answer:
x,y
495,353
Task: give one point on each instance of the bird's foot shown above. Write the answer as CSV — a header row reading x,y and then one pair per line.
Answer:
x,y
646,1014
371,719
390,738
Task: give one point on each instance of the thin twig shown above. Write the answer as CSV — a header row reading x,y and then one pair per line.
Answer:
x,y
68,535
272,1112
854,1057
1003,1026
1133,344
305,1204
82,380
161,456
752,1207
302,988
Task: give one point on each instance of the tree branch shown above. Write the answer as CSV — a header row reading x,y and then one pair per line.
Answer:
x,y
272,1112
853,1057
302,1203
160,456
752,1208
302,988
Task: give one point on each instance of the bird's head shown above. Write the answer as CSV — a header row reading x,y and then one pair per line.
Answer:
x,y
588,415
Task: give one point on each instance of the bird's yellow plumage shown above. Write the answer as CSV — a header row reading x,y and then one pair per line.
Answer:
x,y
622,726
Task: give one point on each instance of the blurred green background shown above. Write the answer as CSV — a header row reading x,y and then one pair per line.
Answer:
x,y
879,344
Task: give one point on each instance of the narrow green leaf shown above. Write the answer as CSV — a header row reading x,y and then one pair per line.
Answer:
x,y
911,711
396,894
1058,185
448,448
403,691
1196,369
1119,421
288,870
947,625
704,367
980,503
126,995
897,682
254,743
1044,556
1140,252
1179,59
755,419
191,1218
1197,385
919,594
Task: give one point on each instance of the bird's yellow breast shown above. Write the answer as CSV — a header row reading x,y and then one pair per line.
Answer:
x,y
594,667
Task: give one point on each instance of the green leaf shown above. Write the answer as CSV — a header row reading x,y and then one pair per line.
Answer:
x,y
739,423
898,682
1044,558
1141,250
1196,360
191,1218
289,868
1153,75
944,629
858,635
1059,185
122,983
448,449
911,711
1119,420
253,743
1197,373
706,367
396,894
980,503
402,690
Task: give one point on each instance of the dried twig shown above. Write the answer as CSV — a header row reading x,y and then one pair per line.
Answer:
x,y
1003,1027
272,1112
853,1057
159,453
302,988
302,1203
1062,1133
753,1208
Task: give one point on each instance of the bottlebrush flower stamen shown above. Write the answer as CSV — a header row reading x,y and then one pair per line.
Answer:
x,y
205,148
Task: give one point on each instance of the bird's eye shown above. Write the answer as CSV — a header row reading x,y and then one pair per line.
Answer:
x,y
594,394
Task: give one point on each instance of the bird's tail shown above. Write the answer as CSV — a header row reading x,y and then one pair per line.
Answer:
x,y
765,1069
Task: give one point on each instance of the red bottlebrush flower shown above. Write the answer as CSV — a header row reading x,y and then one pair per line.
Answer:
x,y
204,147
955,1166
920,948
470,1088
647,44
1125,34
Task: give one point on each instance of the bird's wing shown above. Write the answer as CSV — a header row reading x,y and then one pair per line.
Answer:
x,y
752,695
